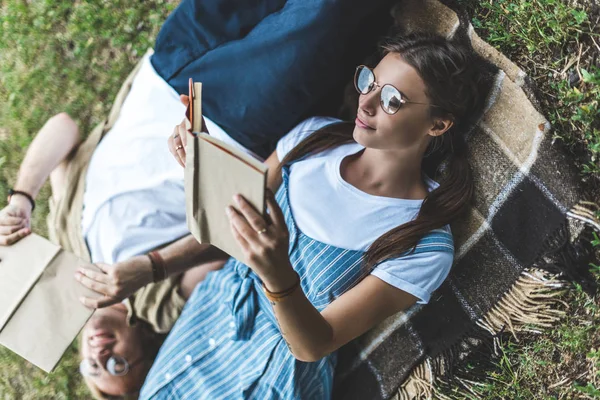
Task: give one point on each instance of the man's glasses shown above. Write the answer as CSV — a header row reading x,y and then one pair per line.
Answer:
x,y
116,366
390,98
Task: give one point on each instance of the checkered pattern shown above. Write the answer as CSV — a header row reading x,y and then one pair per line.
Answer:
x,y
524,188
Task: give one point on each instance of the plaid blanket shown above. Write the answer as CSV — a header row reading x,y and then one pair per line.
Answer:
x,y
515,247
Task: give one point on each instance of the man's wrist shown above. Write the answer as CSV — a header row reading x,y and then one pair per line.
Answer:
x,y
22,202
145,268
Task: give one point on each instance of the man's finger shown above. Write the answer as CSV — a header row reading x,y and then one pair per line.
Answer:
x,y
15,237
106,268
98,277
98,303
91,284
9,220
8,230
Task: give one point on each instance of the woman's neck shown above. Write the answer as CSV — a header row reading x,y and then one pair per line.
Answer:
x,y
384,173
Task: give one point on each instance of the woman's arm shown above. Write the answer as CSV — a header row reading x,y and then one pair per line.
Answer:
x,y
310,334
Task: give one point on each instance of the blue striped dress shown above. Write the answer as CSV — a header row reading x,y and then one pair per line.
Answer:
x,y
227,344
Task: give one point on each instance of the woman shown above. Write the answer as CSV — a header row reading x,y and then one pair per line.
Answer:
x,y
118,197
358,233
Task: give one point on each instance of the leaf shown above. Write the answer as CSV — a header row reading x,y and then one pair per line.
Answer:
x,y
580,16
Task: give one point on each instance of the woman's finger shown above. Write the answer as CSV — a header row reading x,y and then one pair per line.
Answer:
x,y
256,221
92,284
96,276
239,238
184,99
275,212
15,237
242,226
184,131
171,142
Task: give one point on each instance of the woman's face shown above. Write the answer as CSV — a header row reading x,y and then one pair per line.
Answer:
x,y
411,127
107,334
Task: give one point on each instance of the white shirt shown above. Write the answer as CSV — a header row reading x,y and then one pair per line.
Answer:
x,y
332,211
134,199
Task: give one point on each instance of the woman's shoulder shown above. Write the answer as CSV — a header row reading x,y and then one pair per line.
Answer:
x,y
423,271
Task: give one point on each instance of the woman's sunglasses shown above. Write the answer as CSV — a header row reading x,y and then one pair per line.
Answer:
x,y
390,98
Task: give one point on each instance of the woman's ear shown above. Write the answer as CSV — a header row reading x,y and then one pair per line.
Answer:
x,y
440,126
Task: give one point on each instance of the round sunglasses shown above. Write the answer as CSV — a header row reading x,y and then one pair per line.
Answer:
x,y
390,98
115,366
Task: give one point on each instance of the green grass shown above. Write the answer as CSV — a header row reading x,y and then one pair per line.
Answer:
x,y
555,43
61,56
73,55
561,363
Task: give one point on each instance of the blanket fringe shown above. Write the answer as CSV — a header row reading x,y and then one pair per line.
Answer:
x,y
529,306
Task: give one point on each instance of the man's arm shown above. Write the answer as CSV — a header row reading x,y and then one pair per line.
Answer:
x,y
55,141
121,280
57,138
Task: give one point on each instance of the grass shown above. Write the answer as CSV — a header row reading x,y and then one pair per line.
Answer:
x,y
557,43
73,55
61,56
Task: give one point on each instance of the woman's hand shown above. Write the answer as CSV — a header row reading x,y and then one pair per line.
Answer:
x,y
15,221
115,282
265,246
178,139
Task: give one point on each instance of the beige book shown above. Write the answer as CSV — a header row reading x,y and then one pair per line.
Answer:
x,y
40,311
214,172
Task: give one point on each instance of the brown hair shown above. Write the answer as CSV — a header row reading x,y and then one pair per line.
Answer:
x,y
453,83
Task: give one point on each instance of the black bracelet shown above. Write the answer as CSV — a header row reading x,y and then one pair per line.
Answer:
x,y
12,192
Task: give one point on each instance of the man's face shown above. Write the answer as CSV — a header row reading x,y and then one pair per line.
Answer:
x,y
107,334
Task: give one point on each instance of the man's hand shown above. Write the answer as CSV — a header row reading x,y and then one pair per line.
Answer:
x,y
115,282
15,221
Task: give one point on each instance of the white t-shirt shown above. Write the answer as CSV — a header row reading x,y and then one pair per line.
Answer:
x,y
332,211
134,199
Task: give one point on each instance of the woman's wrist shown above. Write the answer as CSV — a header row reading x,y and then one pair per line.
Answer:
x,y
281,279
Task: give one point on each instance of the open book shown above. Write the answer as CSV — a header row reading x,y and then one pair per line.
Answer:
x,y
214,172
40,311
